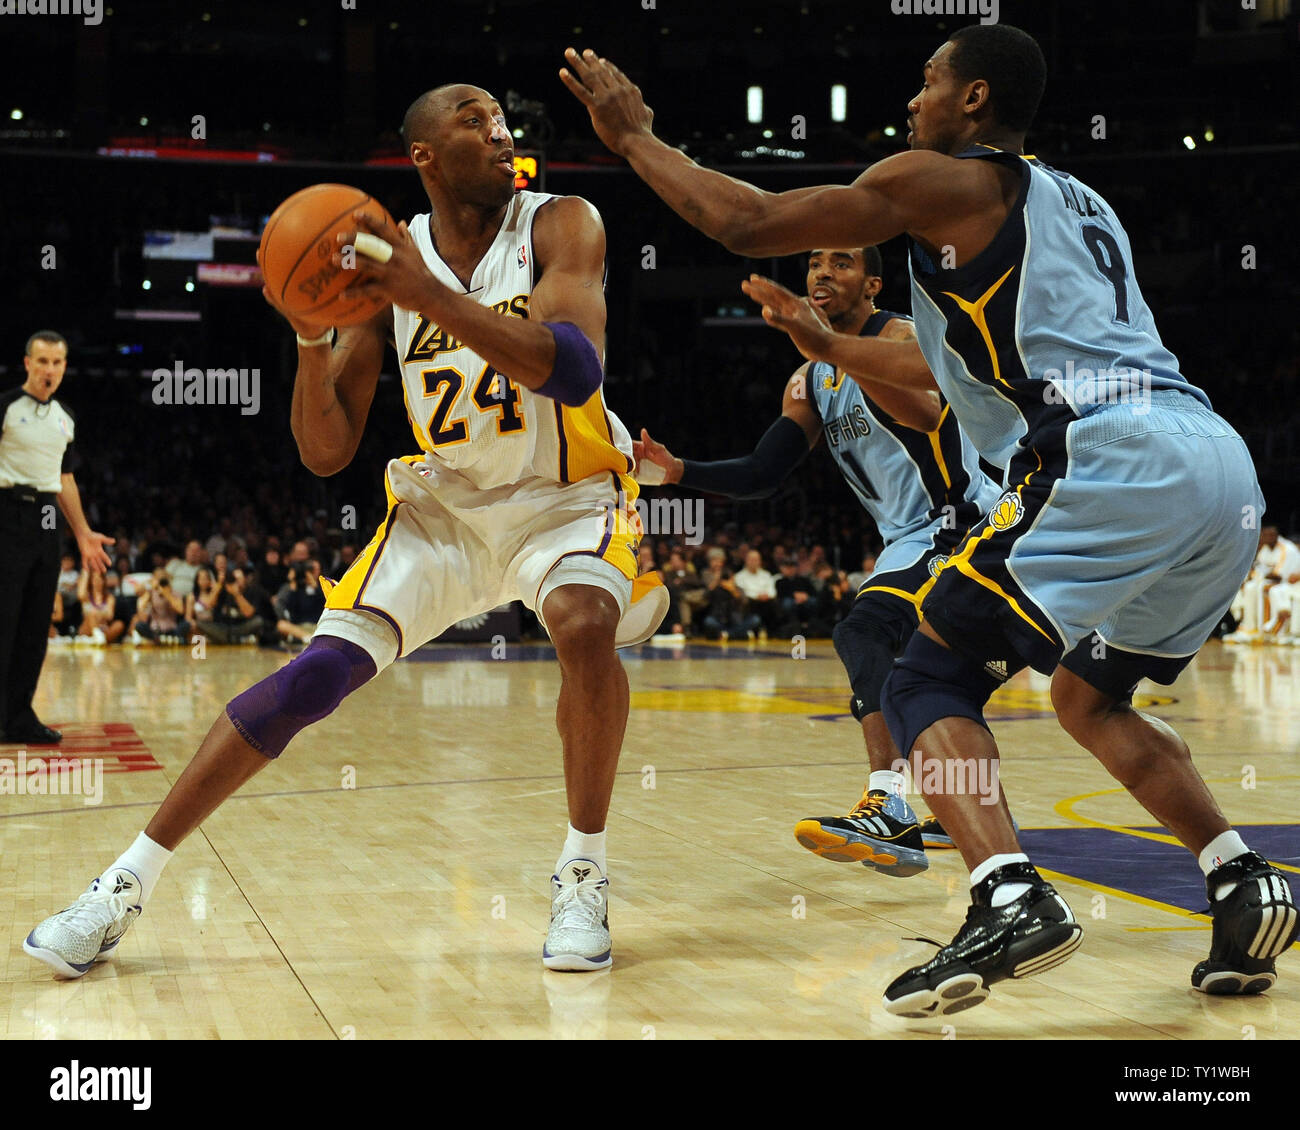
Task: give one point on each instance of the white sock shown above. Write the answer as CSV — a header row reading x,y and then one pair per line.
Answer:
x,y
887,781
1225,846
1003,893
146,860
583,845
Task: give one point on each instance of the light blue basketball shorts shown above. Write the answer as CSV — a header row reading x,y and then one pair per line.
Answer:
x,y
1133,530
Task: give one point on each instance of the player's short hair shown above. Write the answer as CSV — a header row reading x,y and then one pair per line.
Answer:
x,y
1010,61
421,116
48,336
872,262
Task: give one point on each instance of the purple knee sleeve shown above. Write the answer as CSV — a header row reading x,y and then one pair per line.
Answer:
x,y
271,712
576,373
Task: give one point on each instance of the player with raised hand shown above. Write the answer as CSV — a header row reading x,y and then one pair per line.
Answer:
x,y
902,454
1087,568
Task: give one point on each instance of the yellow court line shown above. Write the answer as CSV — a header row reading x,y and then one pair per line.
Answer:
x,y
1065,808
1117,893
1154,929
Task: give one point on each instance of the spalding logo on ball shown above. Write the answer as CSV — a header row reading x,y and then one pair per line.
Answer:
x,y
297,251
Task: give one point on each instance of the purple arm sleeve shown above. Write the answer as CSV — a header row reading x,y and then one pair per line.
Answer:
x,y
577,372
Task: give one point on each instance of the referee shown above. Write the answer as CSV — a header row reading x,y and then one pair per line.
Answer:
x,y
36,461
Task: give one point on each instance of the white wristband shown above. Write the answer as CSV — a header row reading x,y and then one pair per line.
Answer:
x,y
327,338
649,474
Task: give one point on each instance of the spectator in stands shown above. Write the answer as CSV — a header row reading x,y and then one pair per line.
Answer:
x,y
219,541
859,576
272,573
1283,577
759,587
159,612
69,576
237,551
796,599
234,617
727,614
832,603
184,570
57,621
343,560
262,601
200,603
299,604
686,592
1276,560
99,623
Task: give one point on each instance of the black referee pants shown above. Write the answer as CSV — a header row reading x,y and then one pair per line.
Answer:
x,y
29,576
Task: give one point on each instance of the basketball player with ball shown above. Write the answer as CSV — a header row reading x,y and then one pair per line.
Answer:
x,y
521,489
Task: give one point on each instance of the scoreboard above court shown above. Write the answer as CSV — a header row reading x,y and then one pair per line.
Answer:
x,y
530,170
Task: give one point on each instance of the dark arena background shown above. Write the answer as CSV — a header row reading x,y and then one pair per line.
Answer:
x,y
142,152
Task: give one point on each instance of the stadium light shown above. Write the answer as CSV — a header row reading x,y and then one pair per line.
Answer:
x,y
754,104
890,131
1189,141
839,102
16,114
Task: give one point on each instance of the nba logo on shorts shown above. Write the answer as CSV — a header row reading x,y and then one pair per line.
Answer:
x,y
523,256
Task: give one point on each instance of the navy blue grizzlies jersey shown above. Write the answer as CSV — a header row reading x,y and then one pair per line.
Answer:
x,y
1046,325
905,479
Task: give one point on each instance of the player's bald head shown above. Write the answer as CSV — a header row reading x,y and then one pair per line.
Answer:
x,y
426,113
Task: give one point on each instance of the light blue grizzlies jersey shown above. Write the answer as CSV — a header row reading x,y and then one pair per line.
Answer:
x,y
904,477
1047,324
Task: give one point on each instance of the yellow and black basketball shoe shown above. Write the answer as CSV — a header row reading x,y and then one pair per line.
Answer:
x,y
881,832
1028,935
1253,923
933,835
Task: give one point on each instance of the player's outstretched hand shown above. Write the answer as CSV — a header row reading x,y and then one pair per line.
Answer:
x,y
618,112
785,310
654,464
403,277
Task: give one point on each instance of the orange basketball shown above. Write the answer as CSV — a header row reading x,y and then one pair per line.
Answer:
x,y
297,249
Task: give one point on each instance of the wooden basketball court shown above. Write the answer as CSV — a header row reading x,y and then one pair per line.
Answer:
x,y
388,876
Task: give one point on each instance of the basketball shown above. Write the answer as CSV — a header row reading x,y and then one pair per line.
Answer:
x,y
297,249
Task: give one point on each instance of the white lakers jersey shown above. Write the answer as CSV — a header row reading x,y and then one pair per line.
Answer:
x,y
474,419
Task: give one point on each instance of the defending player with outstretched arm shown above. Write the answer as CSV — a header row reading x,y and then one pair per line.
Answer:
x,y
903,455
1025,304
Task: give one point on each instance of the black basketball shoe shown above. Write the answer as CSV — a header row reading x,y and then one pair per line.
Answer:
x,y
1028,935
880,832
1253,923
